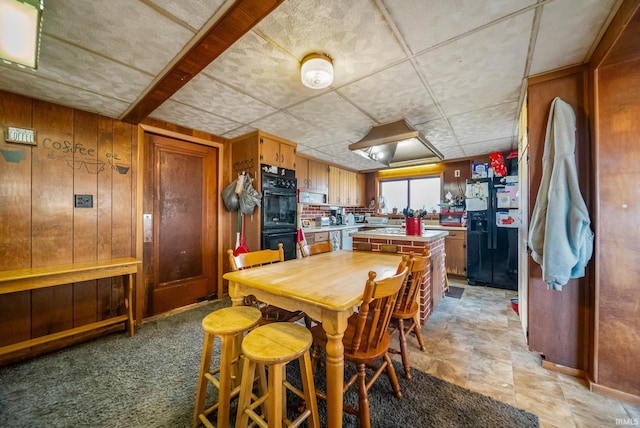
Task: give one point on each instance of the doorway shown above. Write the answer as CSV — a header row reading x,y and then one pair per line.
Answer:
x,y
180,210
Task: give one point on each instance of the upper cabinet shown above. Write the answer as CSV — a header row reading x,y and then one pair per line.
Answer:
x,y
277,152
251,150
345,187
313,176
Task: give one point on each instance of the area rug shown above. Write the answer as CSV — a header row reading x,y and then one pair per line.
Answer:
x,y
455,292
149,380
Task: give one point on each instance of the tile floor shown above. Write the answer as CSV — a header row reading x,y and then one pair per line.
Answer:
x,y
477,342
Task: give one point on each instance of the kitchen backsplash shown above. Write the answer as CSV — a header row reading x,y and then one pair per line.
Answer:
x,y
312,212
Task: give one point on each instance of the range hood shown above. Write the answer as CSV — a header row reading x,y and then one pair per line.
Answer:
x,y
396,144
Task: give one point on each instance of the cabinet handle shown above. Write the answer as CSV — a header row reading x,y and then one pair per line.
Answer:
x,y
277,156
281,158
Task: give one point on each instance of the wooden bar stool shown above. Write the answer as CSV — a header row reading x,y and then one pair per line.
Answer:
x,y
274,345
229,324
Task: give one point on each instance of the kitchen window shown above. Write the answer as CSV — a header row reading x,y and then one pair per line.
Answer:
x,y
415,193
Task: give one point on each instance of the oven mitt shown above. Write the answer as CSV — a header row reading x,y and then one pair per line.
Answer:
x,y
249,198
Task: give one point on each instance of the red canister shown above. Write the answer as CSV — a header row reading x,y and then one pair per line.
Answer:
x,y
414,226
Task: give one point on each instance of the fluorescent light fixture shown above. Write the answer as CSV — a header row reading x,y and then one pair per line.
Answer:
x,y
20,27
316,71
396,144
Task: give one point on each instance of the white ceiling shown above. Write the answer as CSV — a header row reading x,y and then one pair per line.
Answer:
x,y
455,69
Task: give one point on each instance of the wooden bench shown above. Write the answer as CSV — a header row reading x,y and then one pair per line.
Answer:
x,y
13,281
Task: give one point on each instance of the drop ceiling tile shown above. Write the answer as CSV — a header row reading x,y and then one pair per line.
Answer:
x,y
128,31
206,94
425,25
393,94
353,33
486,147
79,68
438,132
184,115
193,12
238,132
340,154
259,69
28,83
566,36
482,69
485,124
286,126
333,113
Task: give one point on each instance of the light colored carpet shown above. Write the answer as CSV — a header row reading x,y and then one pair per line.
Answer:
x,y
149,381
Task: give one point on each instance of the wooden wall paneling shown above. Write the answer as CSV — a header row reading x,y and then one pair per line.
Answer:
x,y
105,188
618,160
52,185
87,169
15,317
15,217
558,320
103,200
453,184
52,310
15,185
123,203
123,199
52,213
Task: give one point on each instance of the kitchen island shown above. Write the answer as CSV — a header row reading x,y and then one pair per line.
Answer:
x,y
396,240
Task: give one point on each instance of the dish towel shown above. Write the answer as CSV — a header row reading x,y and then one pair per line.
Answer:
x,y
560,235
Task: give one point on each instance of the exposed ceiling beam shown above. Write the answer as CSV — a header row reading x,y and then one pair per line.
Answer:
x,y
238,20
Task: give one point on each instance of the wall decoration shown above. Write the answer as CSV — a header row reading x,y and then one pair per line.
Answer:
x,y
20,136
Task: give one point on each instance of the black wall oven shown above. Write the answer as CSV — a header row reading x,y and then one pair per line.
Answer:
x,y
279,203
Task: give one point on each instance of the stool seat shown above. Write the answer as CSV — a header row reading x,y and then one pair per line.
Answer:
x,y
274,345
229,324
277,342
231,320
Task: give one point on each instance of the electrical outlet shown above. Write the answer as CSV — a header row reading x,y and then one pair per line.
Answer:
x,y
456,173
84,201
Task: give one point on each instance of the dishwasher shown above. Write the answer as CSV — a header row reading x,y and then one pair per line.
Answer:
x,y
347,241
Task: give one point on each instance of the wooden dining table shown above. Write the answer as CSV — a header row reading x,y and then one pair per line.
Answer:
x,y
328,287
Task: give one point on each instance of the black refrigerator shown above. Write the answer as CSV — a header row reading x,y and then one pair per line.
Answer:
x,y
492,232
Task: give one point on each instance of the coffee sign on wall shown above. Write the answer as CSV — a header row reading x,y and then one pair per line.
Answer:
x,y
20,136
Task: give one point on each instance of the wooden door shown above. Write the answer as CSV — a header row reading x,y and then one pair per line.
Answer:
x,y
180,214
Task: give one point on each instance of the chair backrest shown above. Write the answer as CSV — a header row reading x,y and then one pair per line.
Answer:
x,y
418,265
315,248
255,258
374,314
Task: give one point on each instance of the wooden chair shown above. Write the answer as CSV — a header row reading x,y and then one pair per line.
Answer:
x,y
253,259
366,339
407,308
315,248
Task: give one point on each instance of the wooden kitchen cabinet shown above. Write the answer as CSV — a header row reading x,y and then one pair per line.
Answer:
x,y
251,150
312,175
343,187
455,247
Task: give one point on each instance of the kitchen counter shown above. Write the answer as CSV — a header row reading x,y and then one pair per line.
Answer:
x,y
395,240
399,234
314,229
427,227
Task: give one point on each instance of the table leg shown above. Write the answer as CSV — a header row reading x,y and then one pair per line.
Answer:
x,y
335,327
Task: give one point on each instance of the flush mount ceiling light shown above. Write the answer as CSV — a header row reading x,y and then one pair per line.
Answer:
x,y
316,71
396,144
20,26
